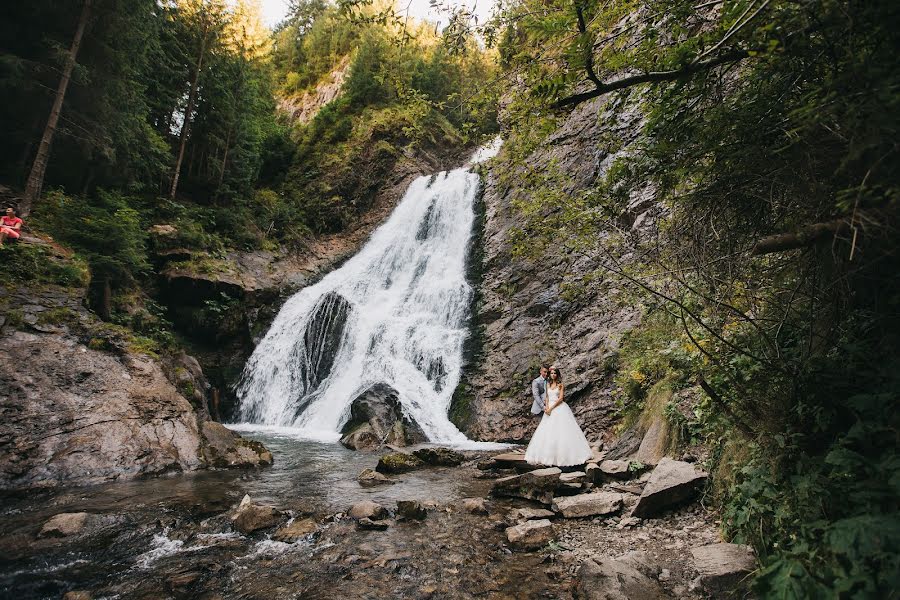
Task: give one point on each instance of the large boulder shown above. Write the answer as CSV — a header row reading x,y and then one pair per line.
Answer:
x,y
589,505
538,485
250,517
224,448
530,534
724,567
398,462
376,418
616,579
672,482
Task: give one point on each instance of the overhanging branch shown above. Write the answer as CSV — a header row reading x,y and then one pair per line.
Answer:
x,y
652,77
803,237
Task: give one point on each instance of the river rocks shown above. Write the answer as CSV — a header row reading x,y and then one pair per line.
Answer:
x,y
723,567
398,462
476,506
411,509
440,457
372,478
225,448
372,524
250,517
612,579
64,524
536,485
671,482
297,529
615,468
78,595
530,535
589,505
368,510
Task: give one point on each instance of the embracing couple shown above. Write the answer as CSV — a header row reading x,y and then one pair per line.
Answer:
x,y
558,440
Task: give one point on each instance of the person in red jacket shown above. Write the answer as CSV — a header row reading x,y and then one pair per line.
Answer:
x,y
10,226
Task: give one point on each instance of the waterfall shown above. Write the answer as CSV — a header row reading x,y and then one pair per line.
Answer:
x,y
395,313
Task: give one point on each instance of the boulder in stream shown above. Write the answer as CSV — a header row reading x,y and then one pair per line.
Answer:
x,y
299,528
64,525
371,478
368,510
224,448
411,509
249,517
398,462
376,418
440,457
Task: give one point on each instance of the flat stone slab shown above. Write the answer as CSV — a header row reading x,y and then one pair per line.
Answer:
x,y
672,482
723,567
616,579
296,530
64,525
589,505
530,534
615,468
528,514
578,477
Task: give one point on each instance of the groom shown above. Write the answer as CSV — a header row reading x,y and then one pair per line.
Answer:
x,y
539,392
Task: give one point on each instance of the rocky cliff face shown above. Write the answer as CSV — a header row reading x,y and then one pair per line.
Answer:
x,y
523,316
81,403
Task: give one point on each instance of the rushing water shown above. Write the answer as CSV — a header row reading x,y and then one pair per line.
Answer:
x,y
395,313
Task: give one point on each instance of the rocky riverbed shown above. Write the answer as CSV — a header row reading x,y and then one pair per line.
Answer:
x,y
308,528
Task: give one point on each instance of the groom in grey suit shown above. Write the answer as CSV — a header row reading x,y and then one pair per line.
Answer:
x,y
539,392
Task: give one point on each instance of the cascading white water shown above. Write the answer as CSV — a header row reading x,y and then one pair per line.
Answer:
x,y
395,313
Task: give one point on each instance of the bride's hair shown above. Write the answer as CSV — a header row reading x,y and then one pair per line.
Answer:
x,y
558,374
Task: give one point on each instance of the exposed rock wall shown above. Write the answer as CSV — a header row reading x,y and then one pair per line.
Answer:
x,y
79,404
523,317
302,109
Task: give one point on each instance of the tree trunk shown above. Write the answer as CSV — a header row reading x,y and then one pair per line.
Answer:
x,y
192,97
39,167
104,310
224,161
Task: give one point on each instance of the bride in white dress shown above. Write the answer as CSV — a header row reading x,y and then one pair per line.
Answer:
x,y
558,440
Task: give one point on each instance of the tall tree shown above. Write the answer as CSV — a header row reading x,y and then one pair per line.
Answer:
x,y
39,167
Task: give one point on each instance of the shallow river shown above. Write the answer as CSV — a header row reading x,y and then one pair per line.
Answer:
x,y
171,536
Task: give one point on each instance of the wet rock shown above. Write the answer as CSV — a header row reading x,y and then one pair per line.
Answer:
x,y
64,525
723,567
78,595
250,517
398,462
611,579
322,338
476,506
589,505
178,583
372,478
296,530
411,509
372,524
440,457
671,482
530,535
615,468
536,485
368,510
225,448
376,418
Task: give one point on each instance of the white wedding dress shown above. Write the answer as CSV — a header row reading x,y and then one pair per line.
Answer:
x,y
558,440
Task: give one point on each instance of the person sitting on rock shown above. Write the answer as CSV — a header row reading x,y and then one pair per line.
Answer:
x,y
10,226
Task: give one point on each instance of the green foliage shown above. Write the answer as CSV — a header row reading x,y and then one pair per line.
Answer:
x,y
38,264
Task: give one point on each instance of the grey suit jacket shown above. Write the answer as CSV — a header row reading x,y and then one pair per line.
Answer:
x,y
539,392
